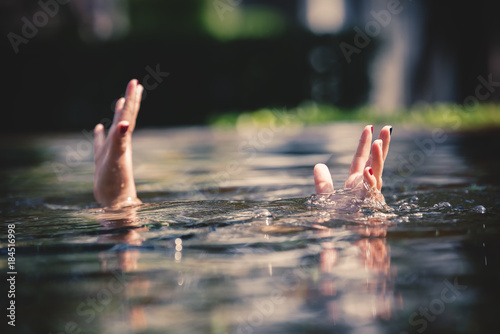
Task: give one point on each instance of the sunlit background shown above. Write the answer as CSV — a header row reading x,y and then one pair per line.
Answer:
x,y
228,218
66,61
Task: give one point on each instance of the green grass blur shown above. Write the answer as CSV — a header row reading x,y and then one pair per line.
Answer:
x,y
445,116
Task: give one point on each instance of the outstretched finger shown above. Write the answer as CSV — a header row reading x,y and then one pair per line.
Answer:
x,y
117,117
129,109
119,137
99,139
377,162
385,136
137,106
122,103
322,179
138,98
119,104
363,151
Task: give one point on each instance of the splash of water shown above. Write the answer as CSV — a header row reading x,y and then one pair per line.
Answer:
x,y
349,200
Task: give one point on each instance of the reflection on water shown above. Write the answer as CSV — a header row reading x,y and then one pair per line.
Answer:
x,y
230,240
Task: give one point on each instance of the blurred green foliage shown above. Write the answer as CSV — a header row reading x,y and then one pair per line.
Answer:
x,y
222,20
237,22
154,18
446,116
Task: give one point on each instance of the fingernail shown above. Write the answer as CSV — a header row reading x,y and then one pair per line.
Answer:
x,y
372,128
123,129
390,131
370,171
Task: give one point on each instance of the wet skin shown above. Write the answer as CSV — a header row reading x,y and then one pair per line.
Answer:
x,y
366,168
114,184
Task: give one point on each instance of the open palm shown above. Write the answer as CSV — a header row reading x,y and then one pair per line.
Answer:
x,y
114,184
365,167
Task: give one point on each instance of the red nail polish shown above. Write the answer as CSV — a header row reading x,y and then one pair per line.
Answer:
x,y
124,129
372,128
370,171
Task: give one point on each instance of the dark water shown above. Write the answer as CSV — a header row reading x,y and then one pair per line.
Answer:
x,y
228,241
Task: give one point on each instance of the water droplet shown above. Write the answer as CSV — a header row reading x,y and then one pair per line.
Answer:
x,y
262,213
405,207
442,205
479,209
405,219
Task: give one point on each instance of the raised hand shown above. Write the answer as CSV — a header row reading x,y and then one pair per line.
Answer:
x,y
114,184
366,169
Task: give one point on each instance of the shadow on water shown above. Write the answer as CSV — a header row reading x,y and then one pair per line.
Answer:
x,y
231,241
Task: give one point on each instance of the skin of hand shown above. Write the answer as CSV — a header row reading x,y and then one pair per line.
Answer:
x,y
365,167
114,184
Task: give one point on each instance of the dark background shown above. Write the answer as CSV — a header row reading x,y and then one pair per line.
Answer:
x,y
67,76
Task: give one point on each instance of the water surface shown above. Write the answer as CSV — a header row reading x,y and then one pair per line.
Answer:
x,y
229,239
